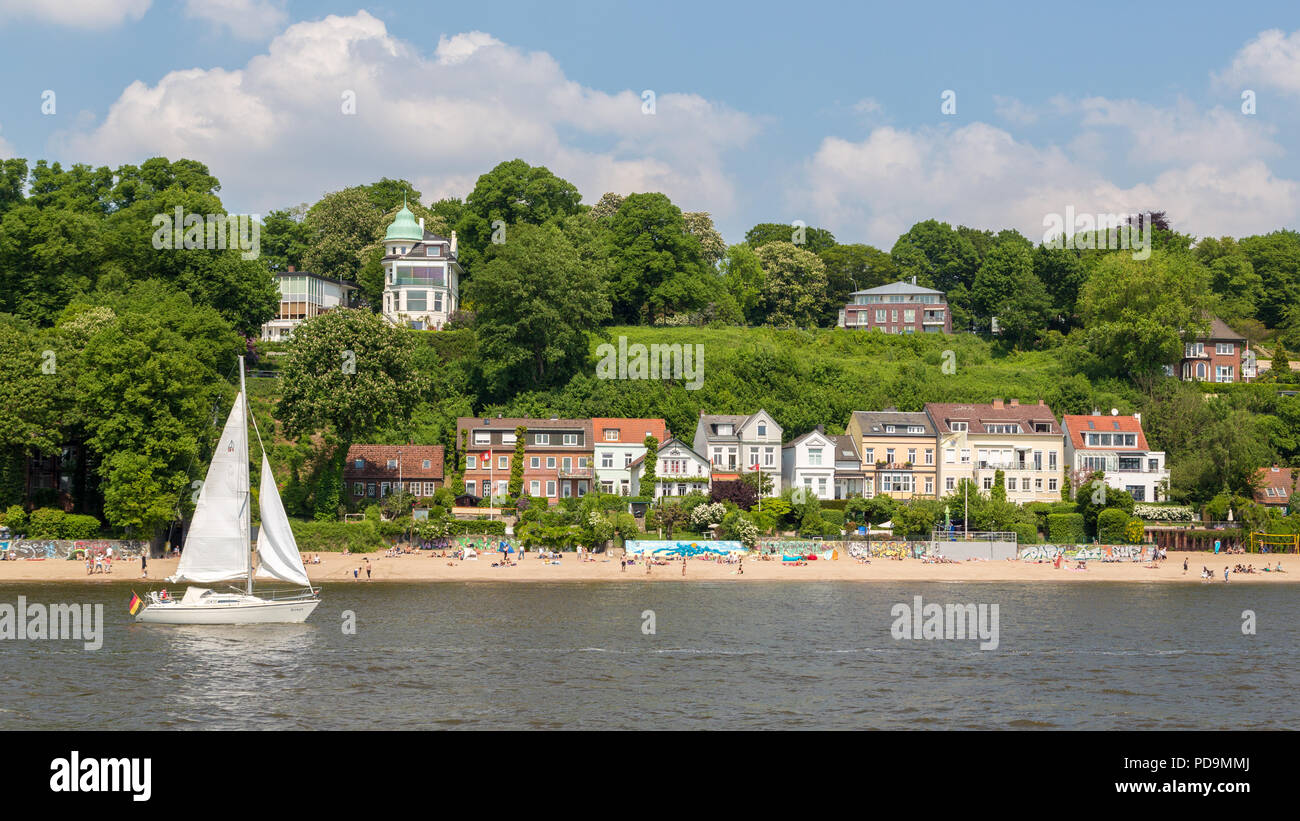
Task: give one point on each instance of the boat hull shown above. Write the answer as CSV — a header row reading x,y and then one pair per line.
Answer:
x,y
232,610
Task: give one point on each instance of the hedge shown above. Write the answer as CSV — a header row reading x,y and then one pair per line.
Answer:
x,y
334,537
1066,528
1111,525
52,523
1025,532
477,527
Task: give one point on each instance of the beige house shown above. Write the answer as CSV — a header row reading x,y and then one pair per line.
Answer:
x,y
899,455
977,440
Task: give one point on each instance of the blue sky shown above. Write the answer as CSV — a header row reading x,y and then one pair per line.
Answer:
x,y
828,113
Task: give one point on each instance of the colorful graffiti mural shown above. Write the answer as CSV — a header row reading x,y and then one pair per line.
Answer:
x,y
669,547
880,550
1092,552
67,549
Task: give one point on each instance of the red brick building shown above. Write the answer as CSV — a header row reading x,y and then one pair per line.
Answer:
x,y
558,456
374,471
898,308
1221,356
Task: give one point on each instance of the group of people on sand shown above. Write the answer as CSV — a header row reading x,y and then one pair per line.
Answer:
x,y
99,562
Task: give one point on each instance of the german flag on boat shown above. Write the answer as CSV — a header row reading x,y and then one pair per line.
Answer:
x,y
135,604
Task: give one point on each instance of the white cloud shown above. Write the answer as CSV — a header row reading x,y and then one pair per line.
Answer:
x,y
980,175
76,13
1272,59
1014,111
246,19
868,105
274,132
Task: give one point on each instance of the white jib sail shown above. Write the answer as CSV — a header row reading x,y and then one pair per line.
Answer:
x,y
216,548
277,551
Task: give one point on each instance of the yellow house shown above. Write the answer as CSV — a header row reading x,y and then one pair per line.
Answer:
x,y
898,453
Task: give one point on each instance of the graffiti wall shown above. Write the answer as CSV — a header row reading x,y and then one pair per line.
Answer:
x,y
66,549
491,544
1090,552
880,550
684,547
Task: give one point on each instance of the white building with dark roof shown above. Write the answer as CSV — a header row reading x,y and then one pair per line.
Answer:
x,y
740,444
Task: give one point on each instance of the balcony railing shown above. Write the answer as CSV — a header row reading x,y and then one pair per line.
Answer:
x,y
575,473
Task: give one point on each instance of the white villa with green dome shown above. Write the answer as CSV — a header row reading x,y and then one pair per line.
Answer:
x,y
421,274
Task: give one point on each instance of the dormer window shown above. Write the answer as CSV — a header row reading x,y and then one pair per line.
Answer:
x,y
724,430
358,464
958,426
889,428
762,429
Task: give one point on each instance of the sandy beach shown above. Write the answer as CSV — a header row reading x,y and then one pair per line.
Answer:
x,y
421,567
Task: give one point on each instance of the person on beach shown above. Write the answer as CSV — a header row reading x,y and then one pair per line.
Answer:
x,y
683,565
367,568
144,564
741,569
90,563
1184,565
356,574
1225,574
647,564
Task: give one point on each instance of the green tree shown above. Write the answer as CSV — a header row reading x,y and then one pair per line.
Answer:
x,y
1007,288
1138,313
535,302
651,461
516,486
148,386
347,374
815,240
656,267
794,285
285,236
1275,258
513,193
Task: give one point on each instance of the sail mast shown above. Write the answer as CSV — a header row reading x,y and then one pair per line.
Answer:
x,y
248,489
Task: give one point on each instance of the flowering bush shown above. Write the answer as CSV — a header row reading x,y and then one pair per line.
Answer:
x,y
707,514
1164,513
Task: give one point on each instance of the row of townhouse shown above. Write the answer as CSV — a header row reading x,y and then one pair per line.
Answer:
x,y
901,454
926,454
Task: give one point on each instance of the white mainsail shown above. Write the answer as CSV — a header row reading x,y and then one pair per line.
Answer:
x,y
216,548
277,550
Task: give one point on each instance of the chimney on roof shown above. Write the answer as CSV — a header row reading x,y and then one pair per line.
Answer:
x,y
1096,412
913,280
1138,417
421,226
1041,402
453,243
1015,403
499,416
291,269
997,404
821,428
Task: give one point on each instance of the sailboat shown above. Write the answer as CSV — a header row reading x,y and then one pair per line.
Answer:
x,y
219,545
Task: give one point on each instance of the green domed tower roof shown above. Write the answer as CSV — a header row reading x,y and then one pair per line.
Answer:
x,y
404,226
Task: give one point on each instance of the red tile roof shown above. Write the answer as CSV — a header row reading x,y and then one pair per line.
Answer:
x,y
1281,480
375,458
1078,425
977,414
631,431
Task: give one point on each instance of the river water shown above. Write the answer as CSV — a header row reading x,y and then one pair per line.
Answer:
x,y
722,656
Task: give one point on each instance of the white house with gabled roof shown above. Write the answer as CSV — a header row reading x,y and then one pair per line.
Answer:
x,y
808,463
740,444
